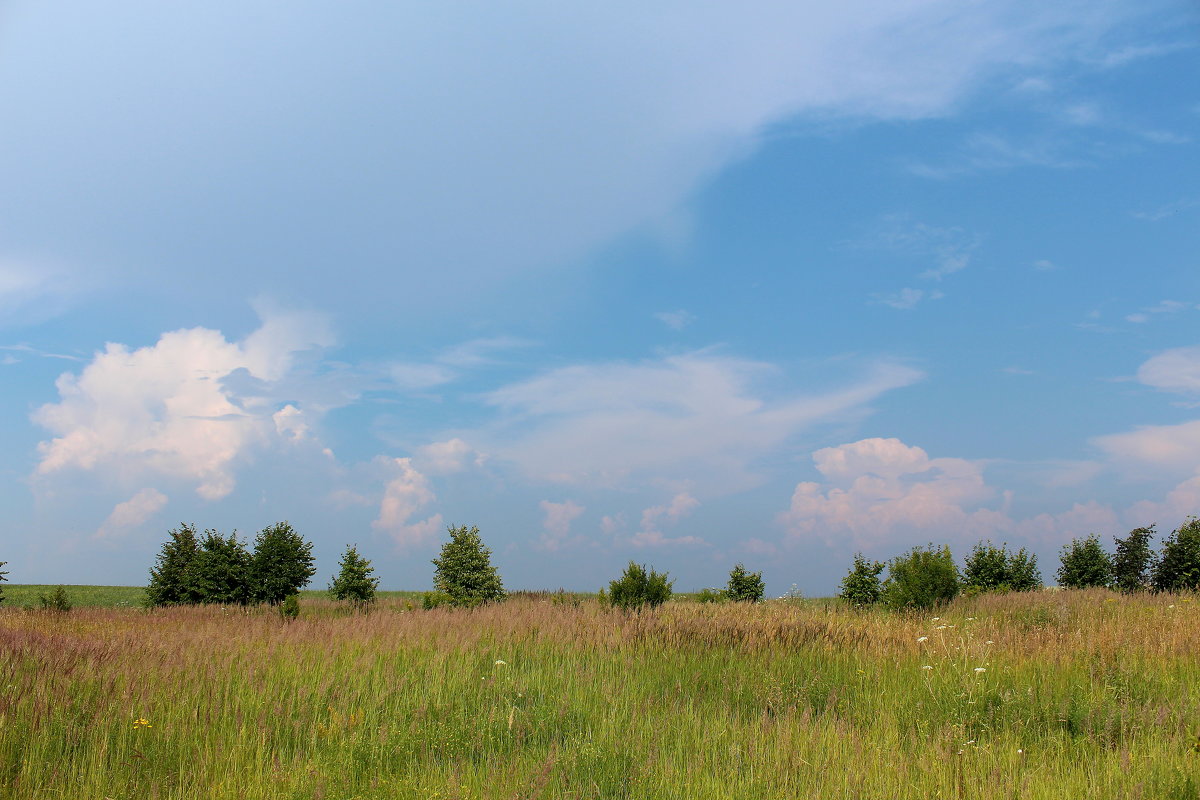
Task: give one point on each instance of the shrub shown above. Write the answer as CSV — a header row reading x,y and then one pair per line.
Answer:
x,y
2,580
995,569
171,580
923,578
432,600
220,572
743,586
861,586
1084,564
290,608
353,581
281,565
1131,563
1178,566
711,596
55,601
464,570
636,588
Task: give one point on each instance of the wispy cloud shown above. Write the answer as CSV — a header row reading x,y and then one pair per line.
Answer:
x,y
675,320
1164,307
131,513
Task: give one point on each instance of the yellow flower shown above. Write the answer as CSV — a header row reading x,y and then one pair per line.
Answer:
x,y
142,722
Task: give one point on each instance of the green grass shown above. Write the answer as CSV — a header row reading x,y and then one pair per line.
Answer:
x,y
27,594
1081,694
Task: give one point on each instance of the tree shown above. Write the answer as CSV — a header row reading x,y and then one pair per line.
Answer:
x,y
464,571
55,601
281,565
636,588
171,580
994,569
1131,562
220,573
1178,566
861,586
2,580
745,586
1084,564
353,581
922,578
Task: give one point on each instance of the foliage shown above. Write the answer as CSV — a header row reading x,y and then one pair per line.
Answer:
x,y
290,608
220,572
925,577
171,575
995,569
432,600
711,596
282,564
57,600
1178,566
1084,564
861,586
743,586
465,572
2,579
1131,562
354,581
637,588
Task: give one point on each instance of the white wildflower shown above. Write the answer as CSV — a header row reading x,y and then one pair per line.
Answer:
x,y
980,669
500,663
927,666
922,638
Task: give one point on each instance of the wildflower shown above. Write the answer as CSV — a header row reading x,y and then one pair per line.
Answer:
x,y
941,627
935,619
980,669
142,722
1171,606
1020,751
500,663
989,641
969,619
927,666
922,638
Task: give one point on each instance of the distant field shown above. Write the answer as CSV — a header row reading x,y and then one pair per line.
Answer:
x,y
1045,695
27,594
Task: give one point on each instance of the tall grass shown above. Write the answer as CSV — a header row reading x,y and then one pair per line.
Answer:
x,y
1046,695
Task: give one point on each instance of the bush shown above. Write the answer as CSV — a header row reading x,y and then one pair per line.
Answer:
x,y
636,588
995,569
1131,563
220,572
861,586
464,570
923,578
711,596
743,586
55,601
171,580
432,600
290,608
353,581
282,564
1084,564
1178,566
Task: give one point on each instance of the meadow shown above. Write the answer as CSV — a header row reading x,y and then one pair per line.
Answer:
x,y
1033,695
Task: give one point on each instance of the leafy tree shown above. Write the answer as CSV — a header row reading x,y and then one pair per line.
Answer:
x,y
2,580
1178,566
861,586
922,578
745,586
281,565
1084,564
220,572
353,581
55,601
636,588
290,608
995,569
171,580
464,571
1131,563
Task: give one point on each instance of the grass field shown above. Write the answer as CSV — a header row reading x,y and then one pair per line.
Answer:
x,y
1044,695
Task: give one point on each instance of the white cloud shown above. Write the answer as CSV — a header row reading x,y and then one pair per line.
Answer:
x,y
675,320
131,513
907,298
668,515
1163,307
450,456
172,409
557,522
407,492
697,416
1044,265
1176,370
1172,447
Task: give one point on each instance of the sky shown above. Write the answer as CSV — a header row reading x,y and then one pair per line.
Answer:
x,y
684,284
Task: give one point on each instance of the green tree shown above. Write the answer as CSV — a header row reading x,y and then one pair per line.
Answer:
x,y
1084,564
922,578
220,573
1178,566
464,571
354,581
2,580
55,601
995,569
744,586
861,586
171,579
1131,562
636,588
282,564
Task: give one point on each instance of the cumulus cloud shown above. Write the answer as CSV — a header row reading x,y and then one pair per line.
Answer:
x,y
655,518
187,407
450,456
557,522
407,492
1176,370
131,513
699,417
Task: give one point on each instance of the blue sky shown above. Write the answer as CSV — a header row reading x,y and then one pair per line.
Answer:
x,y
769,282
